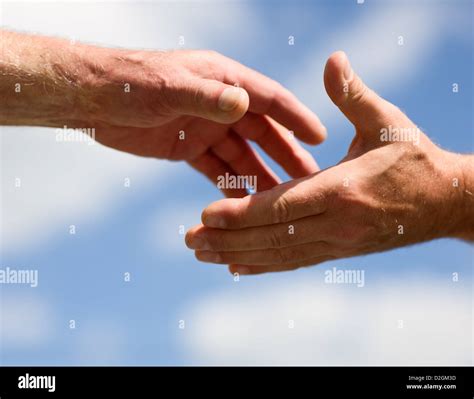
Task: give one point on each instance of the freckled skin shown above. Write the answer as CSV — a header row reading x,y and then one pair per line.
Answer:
x,y
382,195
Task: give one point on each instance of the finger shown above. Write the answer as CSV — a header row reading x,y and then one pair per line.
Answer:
x,y
362,106
278,143
273,256
289,201
210,99
297,232
212,166
248,166
271,98
249,270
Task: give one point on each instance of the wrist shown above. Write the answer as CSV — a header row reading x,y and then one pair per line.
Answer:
x,y
123,87
460,182
94,89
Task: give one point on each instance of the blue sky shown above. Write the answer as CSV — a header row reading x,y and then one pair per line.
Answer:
x,y
136,229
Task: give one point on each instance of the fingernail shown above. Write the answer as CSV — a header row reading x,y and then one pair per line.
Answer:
x,y
208,256
230,98
199,243
348,72
214,221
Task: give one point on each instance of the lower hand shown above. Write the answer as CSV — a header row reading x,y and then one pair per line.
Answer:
x,y
386,193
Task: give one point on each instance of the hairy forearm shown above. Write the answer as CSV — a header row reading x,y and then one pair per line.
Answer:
x,y
44,80
53,82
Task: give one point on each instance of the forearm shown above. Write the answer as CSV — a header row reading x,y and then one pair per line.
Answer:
x,y
52,82
44,80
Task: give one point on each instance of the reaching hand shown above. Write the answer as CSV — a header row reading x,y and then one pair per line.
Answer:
x,y
178,105
183,105
394,188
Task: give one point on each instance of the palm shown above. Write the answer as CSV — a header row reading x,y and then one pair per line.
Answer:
x,y
213,148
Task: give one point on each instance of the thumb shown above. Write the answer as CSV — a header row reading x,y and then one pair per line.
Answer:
x,y
213,100
363,107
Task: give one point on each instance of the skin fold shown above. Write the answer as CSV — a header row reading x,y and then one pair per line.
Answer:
x,y
384,194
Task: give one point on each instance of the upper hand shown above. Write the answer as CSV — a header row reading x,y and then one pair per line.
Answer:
x,y
184,105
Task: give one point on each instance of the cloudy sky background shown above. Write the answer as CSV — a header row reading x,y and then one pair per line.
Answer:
x,y
136,229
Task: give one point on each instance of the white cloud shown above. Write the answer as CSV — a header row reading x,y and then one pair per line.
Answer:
x,y
371,43
169,224
148,24
333,325
99,342
62,184
26,321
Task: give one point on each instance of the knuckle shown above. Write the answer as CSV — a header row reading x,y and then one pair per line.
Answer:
x,y
199,93
359,95
271,102
281,210
274,239
274,95
279,95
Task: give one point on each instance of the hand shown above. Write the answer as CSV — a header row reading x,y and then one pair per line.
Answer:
x,y
193,92
178,105
385,193
195,96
